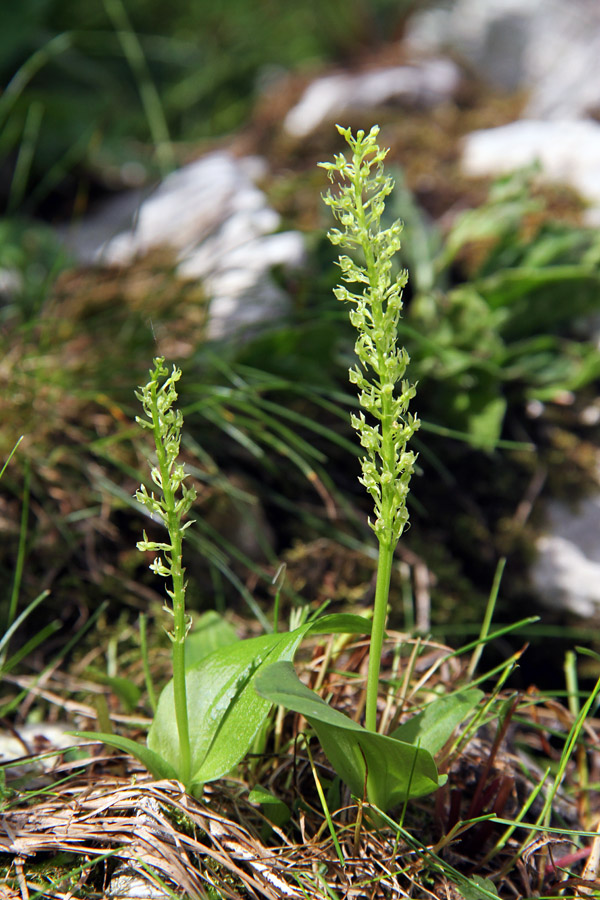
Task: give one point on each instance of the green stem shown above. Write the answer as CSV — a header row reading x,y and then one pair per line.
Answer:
x,y
178,639
382,590
178,598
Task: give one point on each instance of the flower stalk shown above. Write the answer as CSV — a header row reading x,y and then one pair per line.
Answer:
x,y
384,394
170,507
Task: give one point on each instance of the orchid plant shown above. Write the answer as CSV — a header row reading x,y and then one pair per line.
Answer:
x,y
400,765
388,464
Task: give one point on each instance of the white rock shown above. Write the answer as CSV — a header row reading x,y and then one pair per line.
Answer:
x,y
238,281
568,152
238,308
328,98
241,230
220,225
566,573
233,285
44,735
187,207
286,247
131,886
42,738
86,237
563,60
11,283
492,35
549,47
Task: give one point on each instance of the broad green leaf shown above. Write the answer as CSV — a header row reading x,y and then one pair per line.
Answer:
x,y
540,298
224,711
489,221
392,770
209,633
485,423
156,765
434,726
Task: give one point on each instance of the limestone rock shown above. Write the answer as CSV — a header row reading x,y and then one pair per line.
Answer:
x,y
566,573
329,98
567,151
220,225
548,47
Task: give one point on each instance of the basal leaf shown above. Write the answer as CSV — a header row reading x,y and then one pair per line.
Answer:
x,y
391,769
224,711
434,726
156,765
210,632
486,419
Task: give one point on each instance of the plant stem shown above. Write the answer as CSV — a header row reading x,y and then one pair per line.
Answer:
x,y
382,590
179,688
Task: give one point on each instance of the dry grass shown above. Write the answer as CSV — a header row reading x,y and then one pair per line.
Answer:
x,y
161,833
112,820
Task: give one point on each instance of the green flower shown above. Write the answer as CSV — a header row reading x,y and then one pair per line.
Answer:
x,y
377,306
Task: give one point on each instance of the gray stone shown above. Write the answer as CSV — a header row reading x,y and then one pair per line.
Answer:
x,y
566,573
86,238
563,60
11,284
549,47
42,739
188,207
38,738
129,885
238,281
328,98
220,225
491,35
568,152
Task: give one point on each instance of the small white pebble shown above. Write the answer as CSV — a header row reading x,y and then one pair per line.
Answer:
x,y
534,408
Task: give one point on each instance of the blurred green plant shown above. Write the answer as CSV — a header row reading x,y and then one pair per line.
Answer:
x,y
31,257
499,308
89,89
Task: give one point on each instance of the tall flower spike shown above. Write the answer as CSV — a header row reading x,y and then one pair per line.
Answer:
x,y
377,306
175,498
172,504
387,464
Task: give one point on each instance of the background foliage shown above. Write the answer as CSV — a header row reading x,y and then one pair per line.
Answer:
x,y
91,87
